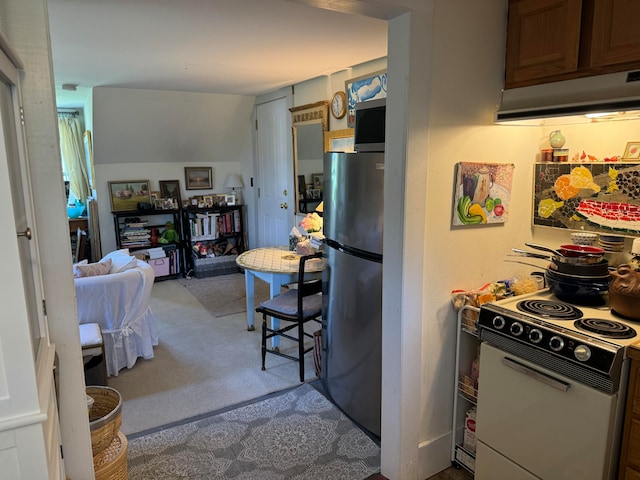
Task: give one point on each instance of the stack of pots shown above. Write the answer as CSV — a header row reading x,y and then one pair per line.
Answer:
x,y
577,273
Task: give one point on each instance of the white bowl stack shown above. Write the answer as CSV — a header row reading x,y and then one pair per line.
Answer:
x,y
584,238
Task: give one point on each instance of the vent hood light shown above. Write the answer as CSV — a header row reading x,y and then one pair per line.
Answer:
x,y
601,94
603,114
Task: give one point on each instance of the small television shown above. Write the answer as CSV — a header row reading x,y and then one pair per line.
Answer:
x,y
369,128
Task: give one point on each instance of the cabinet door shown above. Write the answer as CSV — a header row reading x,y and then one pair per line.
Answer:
x,y
616,37
543,39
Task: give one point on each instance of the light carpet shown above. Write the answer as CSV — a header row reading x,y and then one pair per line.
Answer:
x,y
202,363
295,435
225,294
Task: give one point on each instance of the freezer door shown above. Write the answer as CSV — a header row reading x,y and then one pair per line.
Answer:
x,y
353,199
352,337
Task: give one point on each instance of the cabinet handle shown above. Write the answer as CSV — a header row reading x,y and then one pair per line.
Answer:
x,y
26,233
536,375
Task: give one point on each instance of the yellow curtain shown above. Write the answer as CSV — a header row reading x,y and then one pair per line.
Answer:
x,y
73,156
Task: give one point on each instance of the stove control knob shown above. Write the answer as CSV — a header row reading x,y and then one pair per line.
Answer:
x,y
516,329
498,322
535,335
556,343
582,353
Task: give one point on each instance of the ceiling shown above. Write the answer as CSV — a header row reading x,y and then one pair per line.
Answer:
x,y
246,47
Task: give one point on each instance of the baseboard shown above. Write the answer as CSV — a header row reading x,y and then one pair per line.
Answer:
x,y
434,456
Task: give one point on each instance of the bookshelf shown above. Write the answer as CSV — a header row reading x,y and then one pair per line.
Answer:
x,y
140,230
213,239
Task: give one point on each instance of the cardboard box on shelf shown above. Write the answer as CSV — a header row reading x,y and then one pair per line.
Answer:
x,y
469,438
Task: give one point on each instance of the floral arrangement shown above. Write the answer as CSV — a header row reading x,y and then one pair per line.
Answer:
x,y
311,223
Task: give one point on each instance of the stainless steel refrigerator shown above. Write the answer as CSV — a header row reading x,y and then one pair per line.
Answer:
x,y
352,310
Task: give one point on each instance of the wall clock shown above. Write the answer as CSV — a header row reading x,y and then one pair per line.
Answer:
x,y
339,104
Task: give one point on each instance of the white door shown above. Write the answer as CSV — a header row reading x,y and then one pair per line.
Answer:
x,y
13,153
28,406
274,174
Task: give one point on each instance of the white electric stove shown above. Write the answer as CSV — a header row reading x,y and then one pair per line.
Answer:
x,y
551,390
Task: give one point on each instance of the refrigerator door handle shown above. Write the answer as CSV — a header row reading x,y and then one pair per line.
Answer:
x,y
356,252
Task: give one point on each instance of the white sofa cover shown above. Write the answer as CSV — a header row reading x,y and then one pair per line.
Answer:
x,y
119,303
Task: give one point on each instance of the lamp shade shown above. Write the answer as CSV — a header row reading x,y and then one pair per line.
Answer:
x,y
320,208
233,181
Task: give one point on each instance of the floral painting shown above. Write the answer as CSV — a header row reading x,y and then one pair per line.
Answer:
x,y
482,193
600,197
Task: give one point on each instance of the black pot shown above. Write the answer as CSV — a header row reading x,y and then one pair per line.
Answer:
x,y
599,269
578,290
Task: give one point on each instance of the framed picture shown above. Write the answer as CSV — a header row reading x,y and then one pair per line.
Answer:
x,y
317,180
632,152
154,196
170,189
208,200
362,89
339,141
314,193
198,178
230,199
167,203
157,204
126,194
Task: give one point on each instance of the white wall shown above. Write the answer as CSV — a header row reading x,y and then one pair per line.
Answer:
x,y
467,79
153,134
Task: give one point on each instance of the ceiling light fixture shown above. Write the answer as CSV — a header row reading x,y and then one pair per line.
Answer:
x,y
72,87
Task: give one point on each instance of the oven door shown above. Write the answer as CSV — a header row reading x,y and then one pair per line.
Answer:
x,y
544,423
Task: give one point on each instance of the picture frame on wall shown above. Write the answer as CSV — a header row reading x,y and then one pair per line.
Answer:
x,y
127,194
362,89
317,181
198,178
170,189
339,141
632,151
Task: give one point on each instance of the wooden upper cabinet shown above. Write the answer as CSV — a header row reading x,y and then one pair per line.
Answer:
x,y
552,40
543,39
615,36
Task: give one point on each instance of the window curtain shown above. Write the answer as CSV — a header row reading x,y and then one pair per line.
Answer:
x,y
73,156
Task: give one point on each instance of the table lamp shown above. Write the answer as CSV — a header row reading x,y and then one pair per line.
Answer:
x,y
234,181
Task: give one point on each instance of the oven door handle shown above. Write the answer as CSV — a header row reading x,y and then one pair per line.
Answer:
x,y
536,375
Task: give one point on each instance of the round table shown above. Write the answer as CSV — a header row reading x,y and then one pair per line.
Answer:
x,y
277,266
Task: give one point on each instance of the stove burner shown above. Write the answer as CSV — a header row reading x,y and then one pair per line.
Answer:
x,y
605,328
550,309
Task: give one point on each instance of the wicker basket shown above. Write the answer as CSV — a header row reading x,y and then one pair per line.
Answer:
x,y
105,418
111,463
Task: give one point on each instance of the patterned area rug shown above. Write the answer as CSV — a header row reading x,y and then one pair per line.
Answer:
x,y
225,294
295,435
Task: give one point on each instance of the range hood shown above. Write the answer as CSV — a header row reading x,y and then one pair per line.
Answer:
x,y
613,92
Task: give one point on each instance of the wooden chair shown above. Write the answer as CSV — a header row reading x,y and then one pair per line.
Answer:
x,y
296,307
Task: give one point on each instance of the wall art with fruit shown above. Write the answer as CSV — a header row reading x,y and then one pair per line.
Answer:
x,y
482,193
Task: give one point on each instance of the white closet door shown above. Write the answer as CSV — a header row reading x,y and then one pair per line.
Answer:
x,y
274,174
